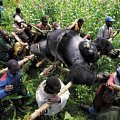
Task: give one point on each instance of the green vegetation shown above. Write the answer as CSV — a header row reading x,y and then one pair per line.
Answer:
x,y
65,12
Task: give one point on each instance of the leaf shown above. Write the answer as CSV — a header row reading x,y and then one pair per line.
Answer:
x,y
14,115
68,116
11,97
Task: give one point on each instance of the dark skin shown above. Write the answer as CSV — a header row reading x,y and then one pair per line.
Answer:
x,y
44,23
5,36
109,23
54,98
80,24
13,71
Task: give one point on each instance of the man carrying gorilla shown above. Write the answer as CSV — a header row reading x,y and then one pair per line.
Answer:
x,y
11,83
6,48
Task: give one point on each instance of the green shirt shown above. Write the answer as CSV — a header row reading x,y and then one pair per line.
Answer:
x,y
4,47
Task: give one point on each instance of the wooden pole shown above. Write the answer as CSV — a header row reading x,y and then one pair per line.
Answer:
x,y
20,63
116,87
18,39
46,105
37,28
110,39
47,70
40,62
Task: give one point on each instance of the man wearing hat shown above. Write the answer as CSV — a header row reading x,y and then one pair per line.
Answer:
x,y
44,25
106,30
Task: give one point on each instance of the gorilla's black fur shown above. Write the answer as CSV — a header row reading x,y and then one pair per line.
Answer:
x,y
67,46
70,48
106,48
81,74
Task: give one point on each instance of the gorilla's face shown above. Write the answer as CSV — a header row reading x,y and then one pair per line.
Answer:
x,y
106,48
89,51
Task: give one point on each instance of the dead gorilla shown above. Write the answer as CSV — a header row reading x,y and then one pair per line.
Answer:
x,y
72,50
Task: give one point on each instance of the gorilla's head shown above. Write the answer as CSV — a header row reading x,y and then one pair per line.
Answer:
x,y
89,51
105,47
40,48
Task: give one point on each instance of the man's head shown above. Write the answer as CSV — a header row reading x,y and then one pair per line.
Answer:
x,y
18,10
109,21
44,20
53,85
13,66
118,73
5,35
80,22
56,26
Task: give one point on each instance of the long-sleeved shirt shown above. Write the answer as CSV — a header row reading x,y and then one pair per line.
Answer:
x,y
8,79
41,98
105,32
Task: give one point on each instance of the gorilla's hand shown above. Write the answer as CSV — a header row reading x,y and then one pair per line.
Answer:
x,y
114,53
103,77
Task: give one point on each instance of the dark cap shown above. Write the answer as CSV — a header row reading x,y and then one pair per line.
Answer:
x,y
44,19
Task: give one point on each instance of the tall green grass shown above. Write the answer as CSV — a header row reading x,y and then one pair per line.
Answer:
x,y
65,12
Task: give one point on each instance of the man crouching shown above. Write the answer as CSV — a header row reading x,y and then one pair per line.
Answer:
x,y
47,92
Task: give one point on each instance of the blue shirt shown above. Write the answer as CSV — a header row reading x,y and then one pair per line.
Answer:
x,y
9,79
1,8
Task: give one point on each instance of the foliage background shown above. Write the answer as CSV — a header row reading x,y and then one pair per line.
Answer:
x,y
64,12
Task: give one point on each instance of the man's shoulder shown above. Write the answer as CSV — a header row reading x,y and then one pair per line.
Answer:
x,y
39,24
103,27
4,77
